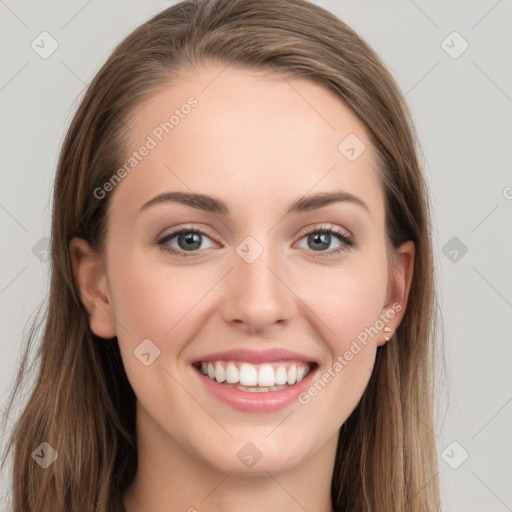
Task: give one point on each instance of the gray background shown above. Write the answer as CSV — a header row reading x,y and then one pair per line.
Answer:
x,y
462,110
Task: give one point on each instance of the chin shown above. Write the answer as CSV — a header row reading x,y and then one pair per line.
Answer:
x,y
257,457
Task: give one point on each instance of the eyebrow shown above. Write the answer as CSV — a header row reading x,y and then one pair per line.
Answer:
x,y
213,205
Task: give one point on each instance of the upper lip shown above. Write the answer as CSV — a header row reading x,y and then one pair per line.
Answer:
x,y
256,356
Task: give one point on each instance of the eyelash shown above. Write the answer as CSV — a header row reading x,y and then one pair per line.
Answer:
x,y
347,242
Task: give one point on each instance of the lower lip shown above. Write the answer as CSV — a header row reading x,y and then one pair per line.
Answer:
x,y
258,401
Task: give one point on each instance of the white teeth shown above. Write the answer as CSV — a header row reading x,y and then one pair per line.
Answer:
x,y
255,378
266,376
248,375
292,375
220,373
232,375
281,376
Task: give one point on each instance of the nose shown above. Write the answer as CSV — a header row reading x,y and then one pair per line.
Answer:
x,y
258,298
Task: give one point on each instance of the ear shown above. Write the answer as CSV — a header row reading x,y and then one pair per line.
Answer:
x,y
398,294
92,284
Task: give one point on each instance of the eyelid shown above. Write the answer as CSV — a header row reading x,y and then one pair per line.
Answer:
x,y
346,239
172,232
162,240
326,227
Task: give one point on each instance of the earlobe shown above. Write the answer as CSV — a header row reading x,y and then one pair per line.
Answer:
x,y
399,290
91,281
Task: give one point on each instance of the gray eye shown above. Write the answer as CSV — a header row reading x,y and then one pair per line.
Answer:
x,y
187,240
320,241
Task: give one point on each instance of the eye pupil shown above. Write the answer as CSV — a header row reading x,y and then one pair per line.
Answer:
x,y
189,238
323,239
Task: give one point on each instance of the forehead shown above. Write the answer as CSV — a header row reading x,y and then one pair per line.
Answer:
x,y
250,135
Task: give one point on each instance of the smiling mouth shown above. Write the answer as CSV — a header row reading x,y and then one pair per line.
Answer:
x,y
255,377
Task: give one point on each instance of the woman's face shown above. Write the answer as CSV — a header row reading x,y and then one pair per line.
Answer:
x,y
255,170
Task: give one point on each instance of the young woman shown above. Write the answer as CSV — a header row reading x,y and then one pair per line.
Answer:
x,y
242,308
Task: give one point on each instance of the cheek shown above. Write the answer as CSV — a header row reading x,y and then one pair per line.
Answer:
x,y
161,305
156,303
348,306
347,302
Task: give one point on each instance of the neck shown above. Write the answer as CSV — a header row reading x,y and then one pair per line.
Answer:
x,y
169,478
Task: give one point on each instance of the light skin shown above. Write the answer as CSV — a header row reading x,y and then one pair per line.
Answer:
x,y
258,143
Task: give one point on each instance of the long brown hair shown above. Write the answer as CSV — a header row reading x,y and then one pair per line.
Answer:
x,y
81,402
